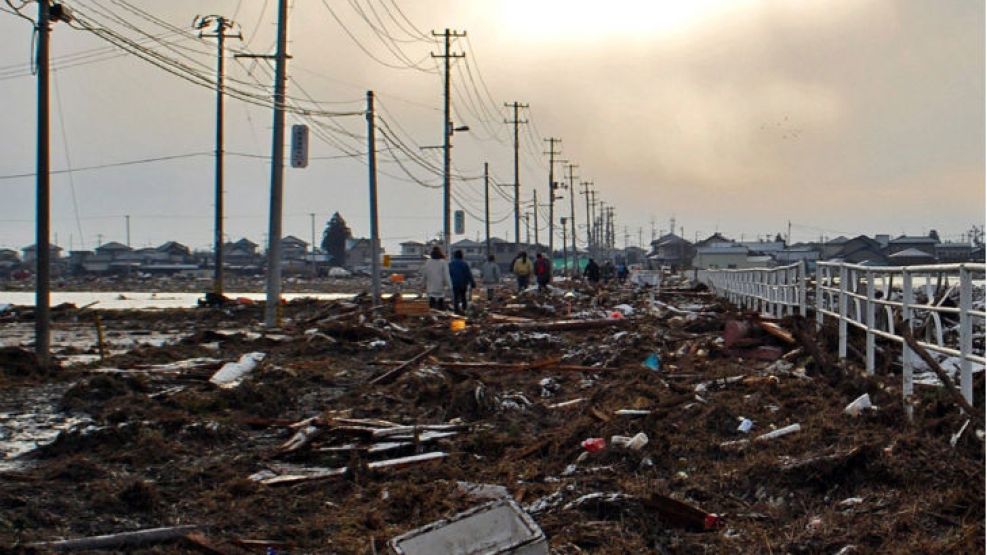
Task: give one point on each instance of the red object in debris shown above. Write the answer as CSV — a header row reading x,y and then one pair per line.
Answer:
x,y
681,515
734,331
594,444
712,520
244,300
616,315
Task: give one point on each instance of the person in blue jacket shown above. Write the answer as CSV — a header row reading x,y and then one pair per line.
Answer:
x,y
462,279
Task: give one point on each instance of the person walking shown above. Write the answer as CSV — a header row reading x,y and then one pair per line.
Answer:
x,y
462,279
523,269
436,275
592,272
491,276
543,271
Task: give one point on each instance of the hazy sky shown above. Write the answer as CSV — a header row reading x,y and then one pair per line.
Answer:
x,y
843,117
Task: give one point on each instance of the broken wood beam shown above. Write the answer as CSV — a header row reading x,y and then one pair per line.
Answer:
x,y
561,325
951,390
391,375
121,539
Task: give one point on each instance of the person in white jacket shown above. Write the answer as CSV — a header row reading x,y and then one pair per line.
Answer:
x,y
435,272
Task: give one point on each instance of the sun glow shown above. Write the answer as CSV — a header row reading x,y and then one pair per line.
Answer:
x,y
588,19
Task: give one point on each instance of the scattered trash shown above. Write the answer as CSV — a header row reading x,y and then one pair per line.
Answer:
x,y
851,502
682,515
483,491
232,373
745,426
859,405
653,362
594,444
634,443
791,429
956,437
498,527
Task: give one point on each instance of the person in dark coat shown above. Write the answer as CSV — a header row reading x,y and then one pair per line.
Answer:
x,y
592,272
462,280
543,271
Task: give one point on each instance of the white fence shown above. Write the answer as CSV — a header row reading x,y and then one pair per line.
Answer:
x,y
874,299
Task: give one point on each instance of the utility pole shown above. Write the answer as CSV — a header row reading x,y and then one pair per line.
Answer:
x,y
527,227
572,214
127,220
42,337
552,153
517,179
447,131
788,236
486,202
565,254
589,224
220,27
640,237
534,210
311,216
372,173
271,318
596,221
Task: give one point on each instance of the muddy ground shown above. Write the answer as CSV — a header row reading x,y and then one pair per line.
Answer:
x,y
161,446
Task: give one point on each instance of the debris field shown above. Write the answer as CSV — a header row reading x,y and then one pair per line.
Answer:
x,y
620,419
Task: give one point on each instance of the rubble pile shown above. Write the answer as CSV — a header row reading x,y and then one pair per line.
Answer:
x,y
618,420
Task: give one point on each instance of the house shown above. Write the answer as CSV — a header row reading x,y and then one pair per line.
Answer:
x,y
911,257
632,255
763,247
29,254
722,256
859,250
474,252
359,253
795,254
672,250
175,252
904,242
833,247
9,260
293,248
242,257
410,259
715,240
949,253
977,255
113,249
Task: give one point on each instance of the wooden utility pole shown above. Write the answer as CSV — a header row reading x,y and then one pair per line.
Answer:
x,y
447,131
517,176
372,175
572,214
589,224
486,203
221,26
42,294
277,172
534,210
552,153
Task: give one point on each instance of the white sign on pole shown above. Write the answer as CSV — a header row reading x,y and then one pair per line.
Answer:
x,y
459,222
299,146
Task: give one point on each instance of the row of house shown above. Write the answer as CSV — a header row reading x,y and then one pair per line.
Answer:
x,y
171,258
717,251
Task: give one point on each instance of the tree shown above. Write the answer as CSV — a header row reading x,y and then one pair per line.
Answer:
x,y
334,239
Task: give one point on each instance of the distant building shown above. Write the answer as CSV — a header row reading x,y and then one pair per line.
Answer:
x,y
30,254
112,249
715,240
410,259
904,242
911,257
359,253
795,254
763,247
721,257
672,250
474,252
833,247
949,253
859,250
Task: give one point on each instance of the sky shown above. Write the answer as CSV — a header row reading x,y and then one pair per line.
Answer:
x,y
739,116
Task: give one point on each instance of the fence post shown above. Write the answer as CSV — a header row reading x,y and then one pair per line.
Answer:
x,y
843,311
966,334
870,322
819,296
907,387
803,286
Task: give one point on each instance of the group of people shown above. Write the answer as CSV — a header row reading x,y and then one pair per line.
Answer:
x,y
441,275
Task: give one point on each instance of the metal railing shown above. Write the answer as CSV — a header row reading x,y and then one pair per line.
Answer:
x,y
874,299
778,291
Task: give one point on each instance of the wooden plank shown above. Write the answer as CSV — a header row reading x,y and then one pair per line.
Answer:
x,y
111,541
391,375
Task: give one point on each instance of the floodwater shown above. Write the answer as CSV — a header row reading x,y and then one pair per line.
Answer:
x,y
144,300
29,417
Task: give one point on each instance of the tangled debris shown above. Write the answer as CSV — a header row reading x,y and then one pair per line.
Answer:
x,y
353,425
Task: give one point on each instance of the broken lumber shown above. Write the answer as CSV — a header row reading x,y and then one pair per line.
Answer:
x,y
111,541
776,331
951,390
391,375
561,325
